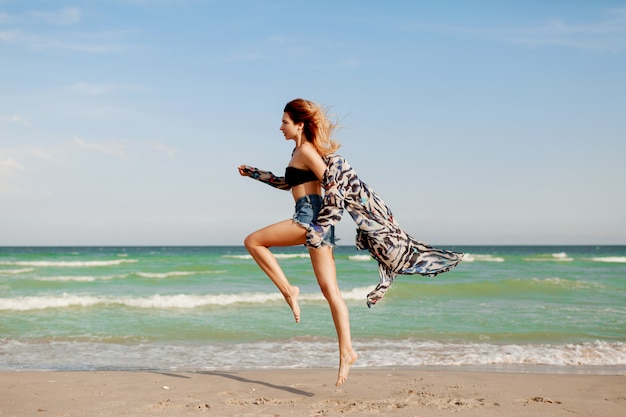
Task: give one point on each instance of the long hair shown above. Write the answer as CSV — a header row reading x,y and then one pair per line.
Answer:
x,y
318,129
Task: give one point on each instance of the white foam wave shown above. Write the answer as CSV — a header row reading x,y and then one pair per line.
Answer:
x,y
238,256
183,301
612,259
291,255
463,354
43,302
15,271
561,256
86,278
165,274
566,283
359,257
554,257
607,357
472,257
357,294
276,255
68,264
155,301
194,301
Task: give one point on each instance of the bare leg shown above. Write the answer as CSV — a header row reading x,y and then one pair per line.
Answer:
x,y
326,273
285,233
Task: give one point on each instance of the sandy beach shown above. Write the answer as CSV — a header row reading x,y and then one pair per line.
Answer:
x,y
412,392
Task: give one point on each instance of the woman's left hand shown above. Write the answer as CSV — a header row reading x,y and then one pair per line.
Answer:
x,y
244,170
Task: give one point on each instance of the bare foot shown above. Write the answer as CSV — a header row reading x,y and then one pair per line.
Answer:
x,y
292,300
345,362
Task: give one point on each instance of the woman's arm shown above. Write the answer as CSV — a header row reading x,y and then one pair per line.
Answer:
x,y
264,176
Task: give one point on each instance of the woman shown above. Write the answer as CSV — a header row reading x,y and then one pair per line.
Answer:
x,y
306,124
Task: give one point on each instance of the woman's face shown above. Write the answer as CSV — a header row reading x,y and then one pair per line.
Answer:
x,y
290,129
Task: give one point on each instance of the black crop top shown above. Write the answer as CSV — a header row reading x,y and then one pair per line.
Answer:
x,y
296,176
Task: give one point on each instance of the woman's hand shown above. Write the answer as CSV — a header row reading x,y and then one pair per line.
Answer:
x,y
244,170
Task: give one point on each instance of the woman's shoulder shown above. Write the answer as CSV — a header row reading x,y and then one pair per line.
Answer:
x,y
307,151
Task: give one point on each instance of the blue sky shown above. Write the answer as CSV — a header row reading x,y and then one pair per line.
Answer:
x,y
479,122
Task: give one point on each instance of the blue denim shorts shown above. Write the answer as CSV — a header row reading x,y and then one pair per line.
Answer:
x,y
307,209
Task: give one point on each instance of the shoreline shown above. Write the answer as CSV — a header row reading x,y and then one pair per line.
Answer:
x,y
533,369
310,392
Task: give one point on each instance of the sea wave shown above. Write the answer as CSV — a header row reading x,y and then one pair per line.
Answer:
x,y
157,301
297,256
276,255
93,278
509,287
552,257
502,288
165,274
566,283
474,257
359,257
15,271
83,278
611,259
68,264
459,354
238,256
605,357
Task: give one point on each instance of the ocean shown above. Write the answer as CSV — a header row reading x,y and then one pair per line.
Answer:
x,y
211,308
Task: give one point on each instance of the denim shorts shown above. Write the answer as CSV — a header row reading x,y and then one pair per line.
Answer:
x,y
307,209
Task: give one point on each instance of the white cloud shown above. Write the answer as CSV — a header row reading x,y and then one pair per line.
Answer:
x,y
613,23
349,63
251,56
101,89
169,151
278,39
15,118
4,18
42,153
7,36
111,149
8,168
66,16
21,120
92,89
95,43
605,33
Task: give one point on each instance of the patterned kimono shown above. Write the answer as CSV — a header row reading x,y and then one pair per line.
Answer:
x,y
377,231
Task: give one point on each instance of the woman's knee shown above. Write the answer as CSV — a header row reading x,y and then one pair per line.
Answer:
x,y
330,291
250,241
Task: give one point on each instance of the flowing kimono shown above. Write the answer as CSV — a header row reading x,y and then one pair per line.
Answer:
x,y
377,231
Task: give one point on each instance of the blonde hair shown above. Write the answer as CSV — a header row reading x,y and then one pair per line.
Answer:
x,y
318,129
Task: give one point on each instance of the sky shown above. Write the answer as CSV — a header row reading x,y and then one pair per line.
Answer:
x,y
122,122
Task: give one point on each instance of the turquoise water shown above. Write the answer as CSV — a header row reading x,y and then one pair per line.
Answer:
x,y
190,308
